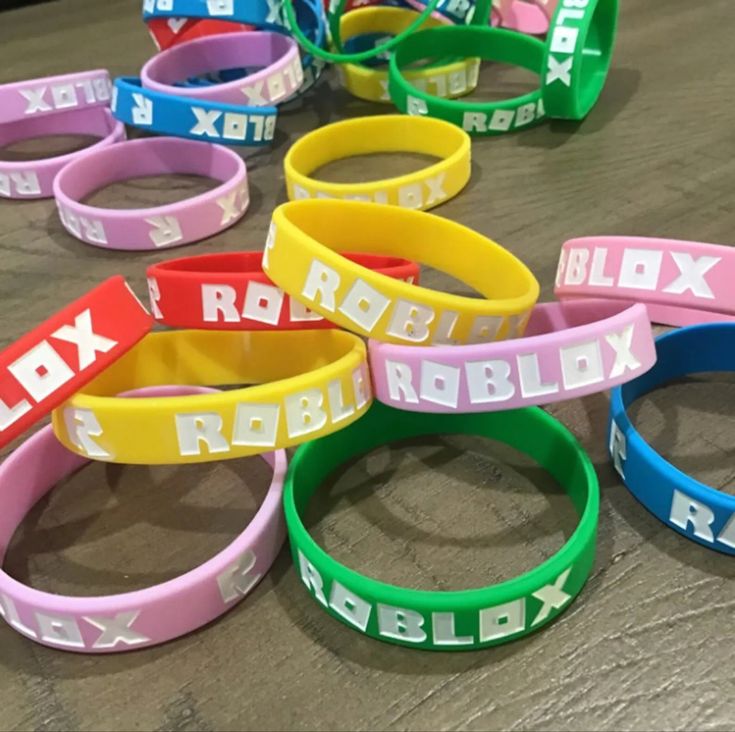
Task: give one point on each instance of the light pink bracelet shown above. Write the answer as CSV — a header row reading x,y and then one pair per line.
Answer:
x,y
34,178
133,619
170,225
278,53
36,97
681,282
570,349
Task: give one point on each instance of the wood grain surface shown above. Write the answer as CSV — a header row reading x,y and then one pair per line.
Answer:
x,y
648,644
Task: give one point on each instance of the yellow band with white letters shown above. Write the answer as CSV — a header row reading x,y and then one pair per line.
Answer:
x,y
449,80
388,133
302,257
318,382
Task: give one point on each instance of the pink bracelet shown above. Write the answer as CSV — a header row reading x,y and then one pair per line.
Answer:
x,y
133,619
527,16
170,225
278,53
36,97
681,282
570,349
34,178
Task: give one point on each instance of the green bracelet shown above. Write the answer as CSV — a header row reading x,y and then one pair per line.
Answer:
x,y
578,53
467,619
490,44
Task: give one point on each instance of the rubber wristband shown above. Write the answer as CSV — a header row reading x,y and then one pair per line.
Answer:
x,y
695,510
446,80
302,256
168,32
317,382
577,56
230,291
422,189
173,224
279,80
526,16
47,365
569,350
130,620
25,179
680,282
446,621
181,116
490,44
22,100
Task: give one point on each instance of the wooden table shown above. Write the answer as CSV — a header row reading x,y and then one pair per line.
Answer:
x,y
646,646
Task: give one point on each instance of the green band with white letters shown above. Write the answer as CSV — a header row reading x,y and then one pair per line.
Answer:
x,y
458,620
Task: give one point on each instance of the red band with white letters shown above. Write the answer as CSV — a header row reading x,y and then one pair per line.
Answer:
x,y
680,282
169,32
230,291
46,366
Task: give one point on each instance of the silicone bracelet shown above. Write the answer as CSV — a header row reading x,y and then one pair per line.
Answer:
x,y
280,78
699,512
446,80
577,56
36,97
569,350
25,179
680,282
448,621
302,257
526,16
130,620
318,382
422,189
490,44
168,32
230,291
181,116
169,225
47,365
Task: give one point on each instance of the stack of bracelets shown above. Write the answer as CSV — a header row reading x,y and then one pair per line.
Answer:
x,y
374,356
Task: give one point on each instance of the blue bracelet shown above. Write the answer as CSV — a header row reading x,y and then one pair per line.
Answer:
x,y
194,119
697,511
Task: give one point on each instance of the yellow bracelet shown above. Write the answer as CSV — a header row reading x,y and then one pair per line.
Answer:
x,y
447,80
318,383
422,189
302,257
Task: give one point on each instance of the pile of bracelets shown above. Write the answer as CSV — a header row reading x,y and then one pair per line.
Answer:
x,y
375,356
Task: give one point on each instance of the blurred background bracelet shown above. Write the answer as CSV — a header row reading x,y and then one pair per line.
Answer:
x,y
423,189
489,44
680,282
24,179
167,32
701,513
569,350
455,620
230,291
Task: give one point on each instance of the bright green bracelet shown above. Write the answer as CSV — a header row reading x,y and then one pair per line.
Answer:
x,y
467,619
490,44
578,53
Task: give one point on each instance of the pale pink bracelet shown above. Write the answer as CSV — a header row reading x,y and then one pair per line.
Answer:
x,y
36,97
141,618
570,349
34,178
280,78
174,224
680,282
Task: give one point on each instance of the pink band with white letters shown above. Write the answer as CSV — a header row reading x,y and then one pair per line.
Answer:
x,y
681,282
36,97
133,619
160,227
34,178
570,349
278,53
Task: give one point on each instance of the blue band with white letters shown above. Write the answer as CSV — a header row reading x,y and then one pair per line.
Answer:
x,y
191,118
699,512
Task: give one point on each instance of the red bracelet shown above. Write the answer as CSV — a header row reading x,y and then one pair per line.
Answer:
x,y
169,32
230,291
52,362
